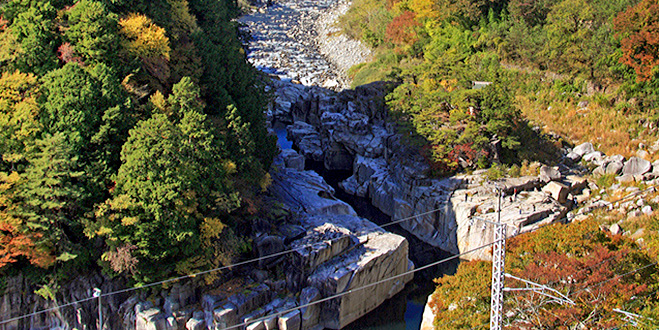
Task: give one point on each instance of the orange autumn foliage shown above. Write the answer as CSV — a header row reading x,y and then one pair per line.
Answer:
x,y
597,271
402,30
638,26
15,240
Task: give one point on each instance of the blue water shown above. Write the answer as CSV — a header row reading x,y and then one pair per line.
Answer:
x,y
404,311
280,130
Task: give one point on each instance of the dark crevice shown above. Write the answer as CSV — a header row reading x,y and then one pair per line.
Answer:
x,y
404,310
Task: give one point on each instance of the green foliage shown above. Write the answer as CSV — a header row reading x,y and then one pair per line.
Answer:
x,y
367,20
538,51
70,101
171,179
606,180
115,126
228,79
462,301
49,194
19,124
48,292
576,259
33,30
93,31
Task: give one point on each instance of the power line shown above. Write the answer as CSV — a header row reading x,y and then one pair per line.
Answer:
x,y
600,283
284,253
403,274
362,287
242,263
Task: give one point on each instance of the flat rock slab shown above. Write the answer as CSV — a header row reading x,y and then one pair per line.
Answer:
x,y
636,166
307,192
583,149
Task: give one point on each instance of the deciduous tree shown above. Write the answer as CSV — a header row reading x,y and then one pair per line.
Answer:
x,y
638,28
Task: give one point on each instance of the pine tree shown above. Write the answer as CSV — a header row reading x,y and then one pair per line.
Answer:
x,y
49,192
93,31
37,42
172,177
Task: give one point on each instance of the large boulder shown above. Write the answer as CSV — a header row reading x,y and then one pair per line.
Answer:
x,y
575,183
382,255
583,149
594,157
307,139
290,321
557,190
292,159
195,324
154,319
573,156
614,167
636,166
549,173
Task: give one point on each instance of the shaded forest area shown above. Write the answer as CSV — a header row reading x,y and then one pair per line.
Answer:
x,y
133,138
585,69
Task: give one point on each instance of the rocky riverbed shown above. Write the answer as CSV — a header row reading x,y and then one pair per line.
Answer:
x,y
299,41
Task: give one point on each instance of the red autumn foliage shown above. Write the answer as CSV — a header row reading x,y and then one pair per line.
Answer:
x,y
638,26
3,23
402,30
67,54
14,244
437,167
464,154
597,271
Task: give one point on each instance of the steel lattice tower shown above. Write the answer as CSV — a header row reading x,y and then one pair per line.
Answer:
x,y
498,269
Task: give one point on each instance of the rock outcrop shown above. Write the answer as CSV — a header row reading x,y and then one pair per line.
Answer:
x,y
341,252
349,130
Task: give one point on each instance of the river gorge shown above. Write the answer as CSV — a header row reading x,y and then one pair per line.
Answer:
x,y
343,174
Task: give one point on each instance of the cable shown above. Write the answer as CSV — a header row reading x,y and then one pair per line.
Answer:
x,y
242,263
272,256
363,287
47,310
613,278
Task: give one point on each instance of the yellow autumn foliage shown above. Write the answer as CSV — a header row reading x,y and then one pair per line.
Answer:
x,y
143,38
211,228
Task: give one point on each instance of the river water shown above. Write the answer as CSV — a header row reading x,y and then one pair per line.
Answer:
x,y
404,311
284,44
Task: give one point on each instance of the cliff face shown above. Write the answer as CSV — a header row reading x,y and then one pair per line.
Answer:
x,y
333,251
349,130
360,254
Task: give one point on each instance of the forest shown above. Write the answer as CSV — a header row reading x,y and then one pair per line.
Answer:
x,y
552,63
474,76
133,138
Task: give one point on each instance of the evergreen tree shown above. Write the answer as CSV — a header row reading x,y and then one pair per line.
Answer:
x,y
33,29
71,101
93,31
49,193
171,179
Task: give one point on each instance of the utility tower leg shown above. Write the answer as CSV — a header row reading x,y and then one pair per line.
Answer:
x,y
498,264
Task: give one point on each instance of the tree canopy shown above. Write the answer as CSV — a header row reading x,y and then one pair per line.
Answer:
x,y
597,271
121,145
